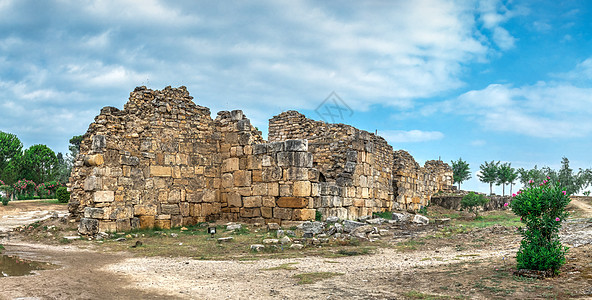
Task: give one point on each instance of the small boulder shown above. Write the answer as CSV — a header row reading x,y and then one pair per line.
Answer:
x,y
419,219
349,226
233,227
257,247
313,227
285,240
400,217
375,221
332,219
270,241
297,246
273,226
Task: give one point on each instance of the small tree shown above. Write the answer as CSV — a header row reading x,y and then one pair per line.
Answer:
x,y
461,171
473,201
488,174
505,175
541,208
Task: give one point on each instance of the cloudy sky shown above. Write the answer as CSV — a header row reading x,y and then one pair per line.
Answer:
x,y
481,80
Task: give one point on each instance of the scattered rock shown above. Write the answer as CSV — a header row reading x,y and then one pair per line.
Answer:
x,y
332,219
313,227
273,226
225,239
121,239
376,221
349,226
257,247
400,217
280,234
297,246
362,231
364,218
71,238
419,219
285,240
270,241
175,235
233,227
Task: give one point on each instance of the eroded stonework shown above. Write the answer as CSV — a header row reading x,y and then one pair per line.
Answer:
x,y
163,162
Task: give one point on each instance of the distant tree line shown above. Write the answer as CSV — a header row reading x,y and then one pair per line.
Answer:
x,y
503,174
38,163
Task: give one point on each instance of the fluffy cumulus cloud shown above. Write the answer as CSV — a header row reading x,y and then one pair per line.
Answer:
x,y
553,109
61,61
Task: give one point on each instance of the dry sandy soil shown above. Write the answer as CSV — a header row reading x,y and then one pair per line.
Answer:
x,y
473,264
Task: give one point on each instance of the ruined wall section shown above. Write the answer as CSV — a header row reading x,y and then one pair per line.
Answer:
x,y
356,164
414,185
152,164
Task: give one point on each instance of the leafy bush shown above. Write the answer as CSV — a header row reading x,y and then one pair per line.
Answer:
x,y
318,216
63,195
4,200
472,201
542,209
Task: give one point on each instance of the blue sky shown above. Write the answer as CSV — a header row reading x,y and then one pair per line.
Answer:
x,y
481,80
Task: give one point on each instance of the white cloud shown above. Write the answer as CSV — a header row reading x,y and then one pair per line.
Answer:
x,y
411,136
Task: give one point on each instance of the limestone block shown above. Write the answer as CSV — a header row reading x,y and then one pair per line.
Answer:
x,y
242,178
170,209
295,159
259,189
297,145
146,222
93,160
302,188
304,214
252,201
99,143
129,160
259,149
266,161
88,226
267,212
234,199
104,196
162,224
92,183
195,210
294,173
107,226
292,202
286,190
227,180
272,174
145,210
94,213
359,202
123,225
209,195
257,175
268,201
254,162
176,221
273,189
250,212
282,213
161,171
230,164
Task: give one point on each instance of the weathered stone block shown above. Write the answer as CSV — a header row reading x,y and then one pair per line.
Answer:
x,y
129,160
282,213
267,212
253,201
162,224
92,183
170,209
161,171
176,221
230,164
184,208
297,145
234,199
268,201
295,159
93,160
123,225
259,189
304,214
107,226
146,222
302,188
104,196
250,212
242,178
94,213
88,226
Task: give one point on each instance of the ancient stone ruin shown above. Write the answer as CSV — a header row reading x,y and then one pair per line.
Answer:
x,y
163,162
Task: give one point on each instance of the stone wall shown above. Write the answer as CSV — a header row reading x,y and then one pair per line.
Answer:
x,y
356,164
163,162
452,201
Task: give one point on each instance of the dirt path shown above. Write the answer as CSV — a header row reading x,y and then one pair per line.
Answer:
x,y
79,275
24,212
581,205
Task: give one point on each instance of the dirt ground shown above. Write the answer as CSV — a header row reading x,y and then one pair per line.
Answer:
x,y
442,263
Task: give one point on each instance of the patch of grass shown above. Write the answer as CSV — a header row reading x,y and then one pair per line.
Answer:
x,y
356,252
287,266
503,218
420,295
308,278
54,201
1,248
409,245
385,215
332,262
65,241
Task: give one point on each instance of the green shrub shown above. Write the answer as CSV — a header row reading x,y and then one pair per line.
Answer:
x,y
4,200
542,209
318,216
63,195
472,201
